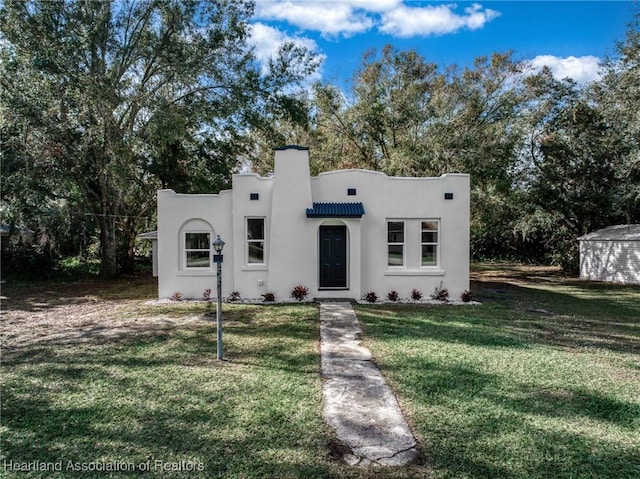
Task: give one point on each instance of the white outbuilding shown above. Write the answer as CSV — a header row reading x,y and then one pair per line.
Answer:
x,y
611,254
340,234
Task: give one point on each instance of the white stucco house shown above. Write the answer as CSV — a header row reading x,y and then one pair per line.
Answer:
x,y
611,254
340,234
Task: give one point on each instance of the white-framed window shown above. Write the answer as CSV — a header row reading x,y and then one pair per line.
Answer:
x,y
429,242
395,243
197,250
255,241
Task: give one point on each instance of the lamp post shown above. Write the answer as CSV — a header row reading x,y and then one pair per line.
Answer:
x,y
218,244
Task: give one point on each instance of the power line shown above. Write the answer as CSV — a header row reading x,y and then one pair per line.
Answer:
x,y
104,215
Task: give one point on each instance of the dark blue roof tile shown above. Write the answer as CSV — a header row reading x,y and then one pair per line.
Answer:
x,y
291,147
336,210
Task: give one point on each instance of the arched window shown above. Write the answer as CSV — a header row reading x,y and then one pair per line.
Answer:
x,y
196,236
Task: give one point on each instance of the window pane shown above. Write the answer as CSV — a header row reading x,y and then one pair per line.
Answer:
x,y
197,241
255,228
198,259
256,252
429,236
396,255
429,255
395,231
430,225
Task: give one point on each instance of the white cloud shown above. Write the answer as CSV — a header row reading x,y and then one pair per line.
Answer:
x,y
406,21
375,5
349,17
329,18
581,69
267,40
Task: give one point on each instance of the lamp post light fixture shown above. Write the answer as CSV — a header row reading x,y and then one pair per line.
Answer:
x,y
218,244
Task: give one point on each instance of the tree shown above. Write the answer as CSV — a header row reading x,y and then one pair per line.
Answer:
x,y
549,159
617,96
580,168
406,116
120,98
576,178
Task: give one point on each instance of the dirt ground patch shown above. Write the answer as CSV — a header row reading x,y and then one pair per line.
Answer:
x,y
552,306
518,274
60,313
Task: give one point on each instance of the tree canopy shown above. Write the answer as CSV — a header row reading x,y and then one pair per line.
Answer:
x,y
103,103
549,159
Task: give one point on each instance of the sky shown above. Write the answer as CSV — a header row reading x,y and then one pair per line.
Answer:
x,y
571,37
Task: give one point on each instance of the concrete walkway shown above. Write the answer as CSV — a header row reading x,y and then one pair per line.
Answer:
x,y
358,403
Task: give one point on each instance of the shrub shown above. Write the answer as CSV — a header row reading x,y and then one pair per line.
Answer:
x,y
77,267
268,297
177,296
440,293
25,261
300,292
416,295
234,296
393,296
370,297
466,296
206,295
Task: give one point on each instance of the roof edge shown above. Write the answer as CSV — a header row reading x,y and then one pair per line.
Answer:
x,y
630,232
291,147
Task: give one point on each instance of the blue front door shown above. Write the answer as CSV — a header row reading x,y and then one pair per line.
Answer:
x,y
333,256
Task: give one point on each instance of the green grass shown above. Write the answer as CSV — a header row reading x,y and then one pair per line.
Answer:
x,y
161,395
541,380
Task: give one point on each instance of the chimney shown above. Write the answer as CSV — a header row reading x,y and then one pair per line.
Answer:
x,y
290,235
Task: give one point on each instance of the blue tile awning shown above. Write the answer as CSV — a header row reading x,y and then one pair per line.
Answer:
x,y
336,210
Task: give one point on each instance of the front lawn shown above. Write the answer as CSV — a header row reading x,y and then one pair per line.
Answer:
x,y
540,381
156,399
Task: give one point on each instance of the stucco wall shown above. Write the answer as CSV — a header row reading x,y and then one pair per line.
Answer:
x,y
410,200
612,261
177,213
250,280
292,239
292,252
